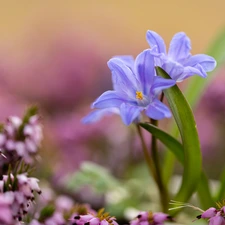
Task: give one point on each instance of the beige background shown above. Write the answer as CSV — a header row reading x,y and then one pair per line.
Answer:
x,y
117,25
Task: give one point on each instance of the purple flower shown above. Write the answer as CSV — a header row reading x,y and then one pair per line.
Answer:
x,y
209,213
215,216
217,220
6,216
178,62
20,140
19,193
136,88
102,218
149,218
98,114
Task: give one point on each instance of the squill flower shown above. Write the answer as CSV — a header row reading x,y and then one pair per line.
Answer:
x,y
98,114
178,62
136,89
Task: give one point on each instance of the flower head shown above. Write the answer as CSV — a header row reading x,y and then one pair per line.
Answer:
x,y
20,139
149,218
136,89
19,191
178,62
101,218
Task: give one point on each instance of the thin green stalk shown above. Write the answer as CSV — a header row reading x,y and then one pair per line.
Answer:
x,y
162,188
204,192
146,154
152,169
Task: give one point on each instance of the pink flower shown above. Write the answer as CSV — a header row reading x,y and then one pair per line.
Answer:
x,y
101,218
149,218
209,213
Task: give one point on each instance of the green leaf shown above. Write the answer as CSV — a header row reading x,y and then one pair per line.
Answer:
x,y
96,176
46,212
221,193
187,127
173,144
194,91
204,193
176,148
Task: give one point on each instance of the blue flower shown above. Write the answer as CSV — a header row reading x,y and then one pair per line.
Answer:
x,y
98,114
178,62
136,89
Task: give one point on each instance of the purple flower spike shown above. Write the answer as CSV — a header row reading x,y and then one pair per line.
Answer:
x,y
136,89
178,62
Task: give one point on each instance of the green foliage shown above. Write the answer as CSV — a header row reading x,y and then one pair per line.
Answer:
x,y
93,175
193,92
46,212
170,142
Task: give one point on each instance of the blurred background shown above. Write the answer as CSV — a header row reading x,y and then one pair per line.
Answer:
x,y
55,53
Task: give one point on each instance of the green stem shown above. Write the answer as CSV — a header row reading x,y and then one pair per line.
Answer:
x,y
204,192
162,188
146,154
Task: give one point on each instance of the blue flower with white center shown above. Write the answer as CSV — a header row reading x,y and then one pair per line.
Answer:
x,y
178,62
136,89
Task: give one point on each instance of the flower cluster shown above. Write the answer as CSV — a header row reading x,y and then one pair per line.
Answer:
x,y
136,86
16,196
101,218
20,138
215,216
149,218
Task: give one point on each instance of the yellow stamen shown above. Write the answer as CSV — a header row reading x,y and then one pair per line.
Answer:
x,y
139,95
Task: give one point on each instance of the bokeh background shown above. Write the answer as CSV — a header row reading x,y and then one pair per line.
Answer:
x,y
55,53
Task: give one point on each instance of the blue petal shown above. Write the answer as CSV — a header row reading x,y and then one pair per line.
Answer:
x,y
123,78
109,99
129,113
190,71
157,110
145,70
98,114
161,84
173,68
155,39
128,60
180,47
208,63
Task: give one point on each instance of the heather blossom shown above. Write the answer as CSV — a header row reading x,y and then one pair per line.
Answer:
x,y
20,139
101,218
214,216
136,89
149,218
17,194
178,62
